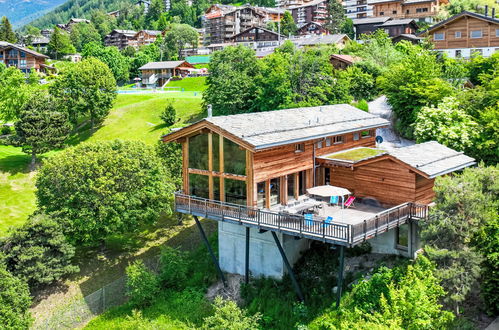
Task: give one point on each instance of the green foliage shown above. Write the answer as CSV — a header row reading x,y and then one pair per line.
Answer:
x,y
288,25
169,115
336,18
60,44
14,301
171,155
177,38
42,126
228,316
6,32
98,189
156,8
83,34
111,56
362,84
412,84
483,68
103,23
86,88
14,92
231,86
173,268
362,105
405,297
447,124
457,236
142,285
38,252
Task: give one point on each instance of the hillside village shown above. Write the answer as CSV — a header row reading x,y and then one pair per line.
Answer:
x,y
303,164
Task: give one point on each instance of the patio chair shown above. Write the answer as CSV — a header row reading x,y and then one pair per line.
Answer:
x,y
334,200
327,222
309,219
349,202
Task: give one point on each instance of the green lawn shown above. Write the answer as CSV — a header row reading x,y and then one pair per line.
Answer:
x,y
196,84
133,117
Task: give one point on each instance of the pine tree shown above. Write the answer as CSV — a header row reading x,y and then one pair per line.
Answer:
x,y
41,127
6,32
60,44
288,25
335,16
154,12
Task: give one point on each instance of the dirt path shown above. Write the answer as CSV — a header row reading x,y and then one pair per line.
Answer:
x,y
391,139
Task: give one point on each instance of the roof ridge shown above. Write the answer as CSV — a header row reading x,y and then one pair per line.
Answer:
x,y
458,153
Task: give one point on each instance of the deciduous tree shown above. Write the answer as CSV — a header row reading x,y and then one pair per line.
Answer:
x,y
83,34
111,56
15,301
14,92
177,38
60,44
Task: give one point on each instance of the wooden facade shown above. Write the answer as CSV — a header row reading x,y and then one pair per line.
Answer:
x,y
257,37
22,58
416,9
120,38
312,28
144,38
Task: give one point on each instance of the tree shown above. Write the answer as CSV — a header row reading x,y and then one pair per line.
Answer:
x,y
228,316
41,126
60,44
163,24
288,25
14,92
38,252
98,189
447,124
335,16
86,88
142,285
169,115
103,23
362,84
6,32
111,56
348,28
171,154
83,34
156,8
15,301
177,38
231,83
457,236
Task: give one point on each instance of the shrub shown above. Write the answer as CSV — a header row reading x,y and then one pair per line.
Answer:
x,y
228,316
14,301
142,285
98,189
174,267
362,85
171,153
5,130
38,252
169,115
362,105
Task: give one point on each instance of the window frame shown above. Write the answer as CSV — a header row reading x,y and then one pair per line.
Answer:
x,y
457,35
472,37
299,147
440,33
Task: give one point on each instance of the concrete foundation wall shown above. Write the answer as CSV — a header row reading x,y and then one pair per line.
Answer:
x,y
264,258
386,243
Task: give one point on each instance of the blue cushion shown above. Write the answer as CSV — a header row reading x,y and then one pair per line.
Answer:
x,y
333,200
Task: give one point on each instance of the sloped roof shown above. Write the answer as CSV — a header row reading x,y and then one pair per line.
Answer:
x,y
432,158
393,22
346,58
151,32
274,128
254,28
370,20
319,40
461,14
308,4
161,65
4,44
126,32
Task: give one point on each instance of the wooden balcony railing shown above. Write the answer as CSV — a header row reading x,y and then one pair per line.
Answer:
x,y
297,225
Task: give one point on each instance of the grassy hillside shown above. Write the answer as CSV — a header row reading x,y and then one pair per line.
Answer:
x,y
134,117
196,84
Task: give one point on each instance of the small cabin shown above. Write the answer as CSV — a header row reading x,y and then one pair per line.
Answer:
x,y
159,73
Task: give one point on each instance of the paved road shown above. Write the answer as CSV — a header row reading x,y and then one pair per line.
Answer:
x,y
391,139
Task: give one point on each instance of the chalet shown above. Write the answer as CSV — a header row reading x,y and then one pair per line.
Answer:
x,y
340,40
257,37
144,38
421,10
367,25
357,9
278,180
120,38
40,43
412,38
313,11
159,73
312,28
22,58
396,27
67,27
466,34
341,62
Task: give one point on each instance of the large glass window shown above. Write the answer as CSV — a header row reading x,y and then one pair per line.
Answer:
x,y
275,191
216,152
198,152
403,237
302,183
234,158
216,188
291,187
235,191
198,185
260,195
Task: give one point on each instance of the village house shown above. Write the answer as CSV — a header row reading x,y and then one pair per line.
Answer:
x,y
313,11
312,28
466,34
421,10
357,8
341,62
120,38
277,180
157,74
257,37
339,40
396,27
67,27
40,43
144,38
367,25
22,58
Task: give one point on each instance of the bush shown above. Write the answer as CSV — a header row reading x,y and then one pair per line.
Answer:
x,y
5,130
228,316
362,85
104,188
38,252
14,301
171,154
142,286
362,105
169,115
174,267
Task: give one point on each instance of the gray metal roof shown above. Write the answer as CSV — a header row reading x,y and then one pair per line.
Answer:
x,y
279,127
432,158
393,22
161,65
371,20
311,40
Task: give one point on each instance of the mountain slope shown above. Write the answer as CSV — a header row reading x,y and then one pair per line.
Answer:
x,y
20,12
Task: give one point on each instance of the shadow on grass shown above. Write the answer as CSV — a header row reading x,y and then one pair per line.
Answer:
x,y
14,164
82,134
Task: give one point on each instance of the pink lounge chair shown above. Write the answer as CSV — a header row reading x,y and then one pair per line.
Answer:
x,y
349,201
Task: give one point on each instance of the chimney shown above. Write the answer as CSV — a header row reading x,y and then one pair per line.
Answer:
x,y
486,10
210,112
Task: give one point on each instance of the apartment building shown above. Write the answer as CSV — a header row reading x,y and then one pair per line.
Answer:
x,y
420,10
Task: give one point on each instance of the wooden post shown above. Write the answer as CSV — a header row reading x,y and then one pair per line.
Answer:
x,y
297,185
221,168
210,166
267,194
185,166
250,184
